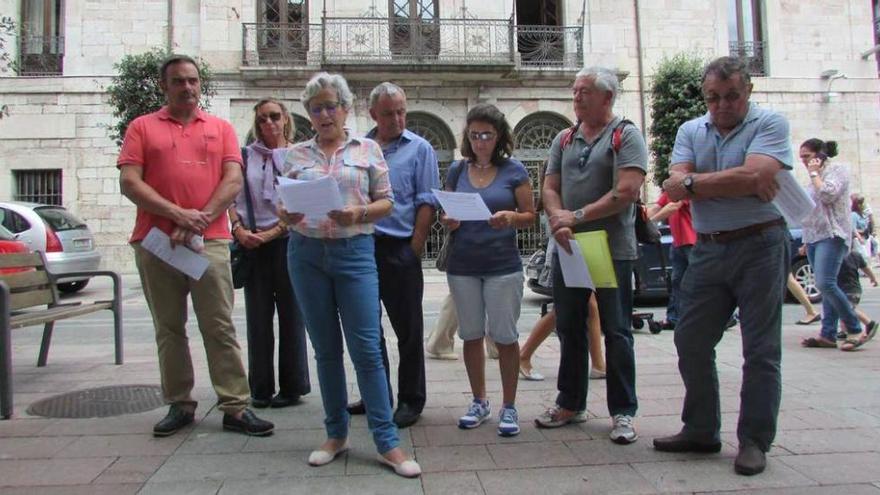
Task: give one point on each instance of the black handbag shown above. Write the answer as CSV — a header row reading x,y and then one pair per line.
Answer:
x,y
443,256
240,258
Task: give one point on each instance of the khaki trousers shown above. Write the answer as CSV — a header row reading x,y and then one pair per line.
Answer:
x,y
442,339
166,291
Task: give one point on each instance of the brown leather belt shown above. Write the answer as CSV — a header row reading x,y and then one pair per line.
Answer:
x,y
732,235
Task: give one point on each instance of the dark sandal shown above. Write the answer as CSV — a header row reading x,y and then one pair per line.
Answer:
x,y
852,342
817,342
809,321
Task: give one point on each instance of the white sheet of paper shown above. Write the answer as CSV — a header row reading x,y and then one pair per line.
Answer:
x,y
574,268
792,200
462,206
313,198
180,257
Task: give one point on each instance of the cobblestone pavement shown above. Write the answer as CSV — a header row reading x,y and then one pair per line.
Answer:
x,y
828,440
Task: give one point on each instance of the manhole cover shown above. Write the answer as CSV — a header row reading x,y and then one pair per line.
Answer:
x,y
100,402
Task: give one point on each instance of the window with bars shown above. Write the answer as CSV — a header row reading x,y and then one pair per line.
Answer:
x,y
284,29
38,186
41,42
745,31
415,30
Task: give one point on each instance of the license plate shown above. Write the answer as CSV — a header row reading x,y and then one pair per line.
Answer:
x,y
82,243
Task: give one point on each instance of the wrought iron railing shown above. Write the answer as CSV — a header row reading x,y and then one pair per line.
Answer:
x,y
40,55
752,52
550,46
396,41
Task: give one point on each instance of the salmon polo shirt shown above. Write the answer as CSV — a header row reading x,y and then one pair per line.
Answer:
x,y
183,163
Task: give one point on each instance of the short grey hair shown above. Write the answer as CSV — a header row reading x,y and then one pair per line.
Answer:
x,y
324,80
385,88
603,78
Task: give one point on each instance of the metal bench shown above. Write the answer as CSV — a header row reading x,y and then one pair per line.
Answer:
x,y
30,297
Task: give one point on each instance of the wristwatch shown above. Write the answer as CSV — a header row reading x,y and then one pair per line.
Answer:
x,y
688,184
579,215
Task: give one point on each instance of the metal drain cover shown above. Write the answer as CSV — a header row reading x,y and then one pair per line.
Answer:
x,y
100,402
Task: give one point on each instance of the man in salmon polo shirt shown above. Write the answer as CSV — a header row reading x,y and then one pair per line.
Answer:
x,y
182,168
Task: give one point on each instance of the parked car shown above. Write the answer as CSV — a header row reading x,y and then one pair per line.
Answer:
x,y
8,244
66,240
650,274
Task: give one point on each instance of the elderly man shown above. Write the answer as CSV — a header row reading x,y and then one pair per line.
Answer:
x,y
591,186
182,168
400,241
726,162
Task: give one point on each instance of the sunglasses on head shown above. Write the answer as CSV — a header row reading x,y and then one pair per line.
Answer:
x,y
274,116
481,136
329,106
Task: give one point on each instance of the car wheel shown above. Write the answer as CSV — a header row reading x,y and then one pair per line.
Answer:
x,y
71,287
803,273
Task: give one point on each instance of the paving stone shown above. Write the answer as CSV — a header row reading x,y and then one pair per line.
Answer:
x,y
118,489
830,469
485,434
592,479
389,484
211,441
208,487
603,451
539,454
121,445
826,441
815,490
223,467
451,484
716,474
52,471
454,458
33,447
131,469
23,427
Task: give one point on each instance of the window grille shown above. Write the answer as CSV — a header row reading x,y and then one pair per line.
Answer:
x,y
38,186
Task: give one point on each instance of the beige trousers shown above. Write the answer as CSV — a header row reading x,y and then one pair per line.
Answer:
x,y
442,339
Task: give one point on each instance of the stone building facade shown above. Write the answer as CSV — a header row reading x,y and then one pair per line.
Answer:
x,y
448,54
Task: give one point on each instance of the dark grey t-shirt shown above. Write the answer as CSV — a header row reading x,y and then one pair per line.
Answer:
x,y
584,185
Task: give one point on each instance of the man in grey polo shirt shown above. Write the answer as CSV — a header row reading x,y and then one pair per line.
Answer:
x,y
726,162
583,191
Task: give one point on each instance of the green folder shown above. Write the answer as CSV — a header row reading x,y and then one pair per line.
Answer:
x,y
597,254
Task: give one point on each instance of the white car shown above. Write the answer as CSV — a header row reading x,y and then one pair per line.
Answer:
x,y
66,240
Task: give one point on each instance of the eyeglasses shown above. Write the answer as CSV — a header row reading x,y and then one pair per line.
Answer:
x,y
329,106
585,156
481,136
274,116
729,98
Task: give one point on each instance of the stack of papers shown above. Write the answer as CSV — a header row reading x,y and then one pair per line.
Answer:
x,y
589,266
313,198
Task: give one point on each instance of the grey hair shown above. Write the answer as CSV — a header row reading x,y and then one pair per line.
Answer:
x,y
385,88
324,80
603,78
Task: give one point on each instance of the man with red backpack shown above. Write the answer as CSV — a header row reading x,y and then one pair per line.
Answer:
x,y
594,175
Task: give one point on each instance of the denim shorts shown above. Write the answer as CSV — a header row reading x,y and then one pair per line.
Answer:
x,y
487,305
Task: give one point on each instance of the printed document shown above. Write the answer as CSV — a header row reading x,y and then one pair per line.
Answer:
x,y
462,206
182,258
574,267
597,254
792,200
313,198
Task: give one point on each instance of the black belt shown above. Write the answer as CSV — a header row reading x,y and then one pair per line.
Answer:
x,y
732,235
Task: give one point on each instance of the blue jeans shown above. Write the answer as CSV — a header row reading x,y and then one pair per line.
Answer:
x,y
749,273
826,257
336,279
678,258
615,315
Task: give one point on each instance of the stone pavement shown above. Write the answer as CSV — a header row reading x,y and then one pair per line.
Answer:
x,y
828,440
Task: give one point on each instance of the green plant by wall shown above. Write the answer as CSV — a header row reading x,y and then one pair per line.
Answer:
x,y
7,31
676,97
135,91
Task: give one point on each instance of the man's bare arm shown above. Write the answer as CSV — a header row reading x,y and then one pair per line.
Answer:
x,y
756,177
132,185
226,191
550,194
424,219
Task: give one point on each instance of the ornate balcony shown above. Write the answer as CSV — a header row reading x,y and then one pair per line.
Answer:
x,y
40,55
752,52
480,43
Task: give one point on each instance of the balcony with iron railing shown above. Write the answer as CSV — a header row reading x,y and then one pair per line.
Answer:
x,y
752,52
481,43
39,55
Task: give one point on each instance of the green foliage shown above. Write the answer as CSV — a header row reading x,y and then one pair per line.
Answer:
x,y
135,90
676,97
7,30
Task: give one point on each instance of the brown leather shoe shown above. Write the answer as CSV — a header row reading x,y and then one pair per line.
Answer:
x,y
750,460
682,443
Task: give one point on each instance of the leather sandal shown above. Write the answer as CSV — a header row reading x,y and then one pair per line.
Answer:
x,y
817,342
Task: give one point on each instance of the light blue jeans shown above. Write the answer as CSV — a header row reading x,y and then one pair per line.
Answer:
x,y
336,279
826,257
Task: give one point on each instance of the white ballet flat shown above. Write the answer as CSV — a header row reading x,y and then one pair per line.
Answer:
x,y
407,469
322,457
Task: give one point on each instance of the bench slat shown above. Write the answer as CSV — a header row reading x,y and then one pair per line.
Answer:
x,y
25,280
53,314
15,260
32,298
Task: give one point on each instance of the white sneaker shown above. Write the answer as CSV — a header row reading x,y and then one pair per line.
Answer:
x,y
477,413
623,431
508,422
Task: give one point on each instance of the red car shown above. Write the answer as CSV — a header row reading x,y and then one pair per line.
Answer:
x,y
8,244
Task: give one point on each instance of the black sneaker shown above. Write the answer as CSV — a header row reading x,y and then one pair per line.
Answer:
x,y
176,419
249,424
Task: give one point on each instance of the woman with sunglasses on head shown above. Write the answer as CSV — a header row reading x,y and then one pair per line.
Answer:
x,y
268,287
333,268
827,235
485,270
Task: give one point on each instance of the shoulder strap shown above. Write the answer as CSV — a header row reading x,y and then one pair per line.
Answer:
x,y
454,173
247,192
616,143
568,137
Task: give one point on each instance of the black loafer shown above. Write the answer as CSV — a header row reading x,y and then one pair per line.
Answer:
x,y
249,424
176,419
280,401
356,408
260,403
750,460
681,443
406,415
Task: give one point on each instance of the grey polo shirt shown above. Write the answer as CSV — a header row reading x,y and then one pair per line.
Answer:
x,y
762,132
582,185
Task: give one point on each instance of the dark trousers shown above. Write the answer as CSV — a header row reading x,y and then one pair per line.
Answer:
x,y
678,258
749,273
269,288
615,313
401,286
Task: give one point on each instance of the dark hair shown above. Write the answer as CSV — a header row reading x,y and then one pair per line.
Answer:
x,y
816,145
488,113
727,67
858,203
177,59
288,126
